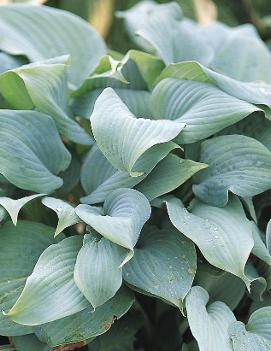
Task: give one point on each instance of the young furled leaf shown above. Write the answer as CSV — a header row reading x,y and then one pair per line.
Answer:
x,y
65,213
122,138
209,324
99,261
121,219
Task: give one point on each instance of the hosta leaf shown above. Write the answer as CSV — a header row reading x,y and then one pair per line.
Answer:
x,y
256,126
31,31
131,77
268,236
259,249
51,279
136,71
253,92
204,108
260,322
254,59
43,86
164,266
122,138
236,163
209,324
20,249
65,213
140,15
86,324
13,207
97,270
29,342
217,33
124,213
258,283
243,340
71,175
180,42
9,62
221,286
160,181
217,232
100,180
138,102
161,30
32,153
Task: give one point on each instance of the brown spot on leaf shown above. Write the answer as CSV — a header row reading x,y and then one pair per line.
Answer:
x,y
107,325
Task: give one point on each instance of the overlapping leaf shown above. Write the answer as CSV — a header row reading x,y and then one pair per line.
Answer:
x,y
253,92
255,335
209,324
223,235
13,207
164,266
43,86
20,249
31,31
32,153
50,281
97,270
160,181
236,163
65,213
204,108
86,324
221,286
161,30
124,213
122,138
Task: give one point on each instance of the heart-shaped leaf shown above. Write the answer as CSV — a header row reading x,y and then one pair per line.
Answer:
x,y
236,163
209,324
164,266
97,270
217,232
51,279
31,152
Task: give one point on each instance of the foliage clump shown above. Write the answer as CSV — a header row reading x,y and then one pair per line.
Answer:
x,y
141,183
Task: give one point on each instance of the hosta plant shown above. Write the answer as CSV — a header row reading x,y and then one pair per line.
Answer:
x,y
135,189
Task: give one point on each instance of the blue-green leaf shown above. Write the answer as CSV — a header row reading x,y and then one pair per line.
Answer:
x,y
31,152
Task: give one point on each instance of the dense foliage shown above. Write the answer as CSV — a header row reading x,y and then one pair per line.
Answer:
x,y
168,150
